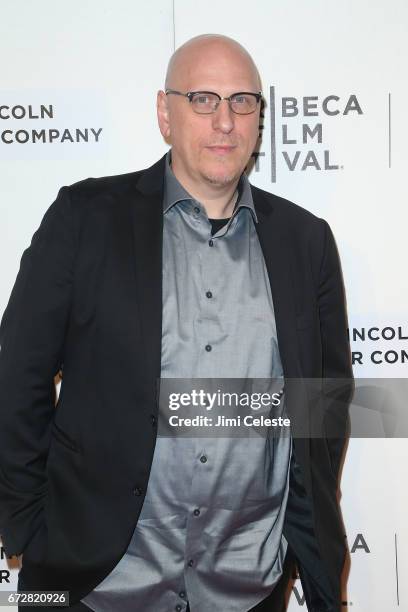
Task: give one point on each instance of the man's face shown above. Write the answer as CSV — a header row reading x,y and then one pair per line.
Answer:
x,y
213,148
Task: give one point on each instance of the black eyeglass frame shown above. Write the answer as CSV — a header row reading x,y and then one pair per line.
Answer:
x,y
190,94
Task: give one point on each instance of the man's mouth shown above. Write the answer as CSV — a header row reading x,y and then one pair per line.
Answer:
x,y
221,149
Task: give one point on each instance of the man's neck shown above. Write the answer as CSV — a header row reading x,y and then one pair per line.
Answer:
x,y
220,208
218,200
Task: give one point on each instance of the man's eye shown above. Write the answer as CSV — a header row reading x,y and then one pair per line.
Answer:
x,y
202,99
240,99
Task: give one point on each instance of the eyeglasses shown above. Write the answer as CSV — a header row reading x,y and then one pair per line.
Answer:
x,y
206,102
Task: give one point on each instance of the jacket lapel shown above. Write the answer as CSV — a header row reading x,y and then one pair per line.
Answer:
x,y
147,220
275,248
275,243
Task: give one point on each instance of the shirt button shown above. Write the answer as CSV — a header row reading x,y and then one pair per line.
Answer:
x,y
209,294
178,608
196,209
203,459
138,491
191,563
153,419
182,594
211,243
196,512
208,348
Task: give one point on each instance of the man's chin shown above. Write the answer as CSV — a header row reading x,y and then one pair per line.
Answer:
x,y
221,178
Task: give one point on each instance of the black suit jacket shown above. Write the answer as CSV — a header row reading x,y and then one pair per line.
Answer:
x,y
87,299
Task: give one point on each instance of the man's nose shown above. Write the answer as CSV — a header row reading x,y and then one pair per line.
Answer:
x,y
223,117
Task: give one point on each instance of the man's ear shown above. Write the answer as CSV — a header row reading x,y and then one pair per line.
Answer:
x,y
163,115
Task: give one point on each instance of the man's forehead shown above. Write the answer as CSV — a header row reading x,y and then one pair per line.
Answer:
x,y
210,59
210,72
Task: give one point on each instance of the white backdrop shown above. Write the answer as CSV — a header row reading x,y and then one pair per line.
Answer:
x,y
95,66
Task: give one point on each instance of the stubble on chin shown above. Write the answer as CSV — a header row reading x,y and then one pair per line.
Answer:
x,y
221,180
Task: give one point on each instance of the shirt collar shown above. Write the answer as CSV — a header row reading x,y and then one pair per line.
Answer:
x,y
174,191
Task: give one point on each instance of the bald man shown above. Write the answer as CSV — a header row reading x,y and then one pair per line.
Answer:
x,y
181,271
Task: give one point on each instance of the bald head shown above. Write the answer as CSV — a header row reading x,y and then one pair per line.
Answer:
x,y
216,51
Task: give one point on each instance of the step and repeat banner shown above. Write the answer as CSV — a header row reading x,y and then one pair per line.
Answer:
x,y
77,99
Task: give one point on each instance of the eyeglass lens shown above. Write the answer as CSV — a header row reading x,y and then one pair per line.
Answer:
x,y
241,104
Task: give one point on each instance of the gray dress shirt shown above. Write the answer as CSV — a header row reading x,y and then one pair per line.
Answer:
x,y
210,529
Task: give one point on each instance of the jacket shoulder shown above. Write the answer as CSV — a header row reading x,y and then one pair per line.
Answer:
x,y
104,185
287,210
119,187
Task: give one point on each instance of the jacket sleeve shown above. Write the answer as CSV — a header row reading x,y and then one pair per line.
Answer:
x,y
336,359
32,334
